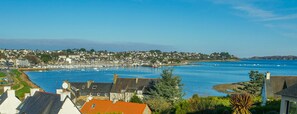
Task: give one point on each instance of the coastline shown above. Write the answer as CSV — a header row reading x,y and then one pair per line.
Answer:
x,y
228,88
26,78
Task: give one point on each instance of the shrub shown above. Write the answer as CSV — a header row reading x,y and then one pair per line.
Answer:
x,y
241,103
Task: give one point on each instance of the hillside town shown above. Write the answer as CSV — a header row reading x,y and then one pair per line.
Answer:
x,y
71,58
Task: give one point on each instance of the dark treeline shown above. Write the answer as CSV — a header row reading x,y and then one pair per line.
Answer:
x,y
275,58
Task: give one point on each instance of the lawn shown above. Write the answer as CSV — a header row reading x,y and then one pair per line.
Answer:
x,y
20,86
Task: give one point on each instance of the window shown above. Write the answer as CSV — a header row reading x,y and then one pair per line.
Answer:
x,y
292,108
94,87
83,87
93,105
139,92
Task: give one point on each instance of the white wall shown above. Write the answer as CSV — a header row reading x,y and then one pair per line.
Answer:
x,y
10,104
284,103
69,108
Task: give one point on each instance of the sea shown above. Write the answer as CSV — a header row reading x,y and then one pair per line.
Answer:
x,y
197,78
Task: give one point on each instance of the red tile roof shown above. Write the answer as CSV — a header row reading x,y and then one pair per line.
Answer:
x,y
104,106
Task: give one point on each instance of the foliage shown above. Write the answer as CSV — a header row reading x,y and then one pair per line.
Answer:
x,y
256,77
2,74
165,92
206,104
82,49
135,99
271,106
159,105
182,107
254,86
92,50
46,58
241,103
32,59
168,87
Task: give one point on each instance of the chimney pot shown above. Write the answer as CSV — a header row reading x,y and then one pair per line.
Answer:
x,y
267,75
89,83
136,80
33,90
27,95
64,94
11,93
7,88
115,101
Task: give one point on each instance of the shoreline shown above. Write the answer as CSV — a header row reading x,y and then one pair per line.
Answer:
x,y
228,88
52,67
26,78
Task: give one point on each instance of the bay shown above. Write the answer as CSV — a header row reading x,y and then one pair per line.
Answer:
x,y
198,77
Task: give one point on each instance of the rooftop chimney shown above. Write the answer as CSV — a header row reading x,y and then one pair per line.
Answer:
x,y
7,88
115,101
11,93
59,91
90,97
33,90
115,77
63,94
27,95
267,75
89,83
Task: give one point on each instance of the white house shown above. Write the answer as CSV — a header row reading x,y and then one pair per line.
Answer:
x,y
48,103
22,63
289,100
8,101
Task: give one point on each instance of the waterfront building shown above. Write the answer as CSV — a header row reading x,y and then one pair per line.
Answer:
x,y
112,107
8,101
38,102
275,84
22,63
289,100
98,90
125,88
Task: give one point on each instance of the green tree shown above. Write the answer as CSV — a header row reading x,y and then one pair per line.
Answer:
x,y
32,59
92,50
46,58
168,87
256,83
165,93
135,99
82,49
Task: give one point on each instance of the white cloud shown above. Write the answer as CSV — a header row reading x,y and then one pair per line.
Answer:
x,y
255,12
277,18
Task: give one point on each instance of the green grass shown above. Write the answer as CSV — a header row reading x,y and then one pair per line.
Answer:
x,y
2,74
25,89
21,92
16,86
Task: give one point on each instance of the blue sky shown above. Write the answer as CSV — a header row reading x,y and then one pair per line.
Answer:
x,y
242,27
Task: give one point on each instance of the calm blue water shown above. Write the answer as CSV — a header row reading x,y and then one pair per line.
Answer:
x,y
197,77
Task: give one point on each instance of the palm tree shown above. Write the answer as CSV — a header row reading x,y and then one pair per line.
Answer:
x,y
241,103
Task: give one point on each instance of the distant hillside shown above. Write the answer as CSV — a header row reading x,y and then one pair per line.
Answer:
x,y
275,58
